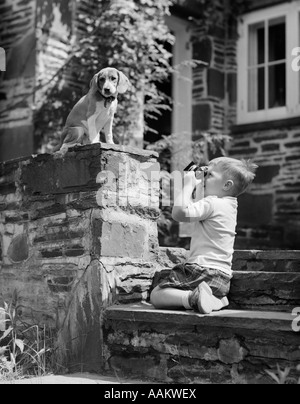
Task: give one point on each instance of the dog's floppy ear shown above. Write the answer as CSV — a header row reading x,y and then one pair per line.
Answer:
x,y
93,82
123,83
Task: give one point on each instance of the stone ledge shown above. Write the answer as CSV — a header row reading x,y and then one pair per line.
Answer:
x,y
251,320
124,149
90,147
267,255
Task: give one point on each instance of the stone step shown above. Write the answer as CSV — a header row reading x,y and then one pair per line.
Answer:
x,y
277,291
262,291
185,347
266,261
262,280
243,260
248,319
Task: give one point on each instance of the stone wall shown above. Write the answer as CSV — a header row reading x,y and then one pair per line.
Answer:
x,y
42,80
262,280
76,235
214,88
36,36
238,345
17,37
181,347
269,214
209,84
79,234
54,29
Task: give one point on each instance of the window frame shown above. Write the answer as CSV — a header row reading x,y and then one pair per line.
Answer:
x,y
291,13
182,83
182,113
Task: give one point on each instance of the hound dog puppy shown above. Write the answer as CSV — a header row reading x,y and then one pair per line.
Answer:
x,y
95,111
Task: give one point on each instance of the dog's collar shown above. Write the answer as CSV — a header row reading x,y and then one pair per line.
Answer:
x,y
107,100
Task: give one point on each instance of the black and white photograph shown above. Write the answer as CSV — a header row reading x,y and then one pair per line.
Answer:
x,y
149,194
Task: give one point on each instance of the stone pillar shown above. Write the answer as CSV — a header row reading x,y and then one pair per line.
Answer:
x,y
76,235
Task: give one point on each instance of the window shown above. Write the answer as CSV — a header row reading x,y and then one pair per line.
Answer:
x,y
268,88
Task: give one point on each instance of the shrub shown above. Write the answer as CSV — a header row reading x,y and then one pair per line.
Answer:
x,y
22,349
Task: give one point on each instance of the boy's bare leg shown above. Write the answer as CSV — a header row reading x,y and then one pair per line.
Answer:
x,y
169,298
201,298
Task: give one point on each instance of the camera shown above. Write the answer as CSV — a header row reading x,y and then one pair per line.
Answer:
x,y
196,168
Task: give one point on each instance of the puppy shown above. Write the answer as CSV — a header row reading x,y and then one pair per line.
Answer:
x,y
95,111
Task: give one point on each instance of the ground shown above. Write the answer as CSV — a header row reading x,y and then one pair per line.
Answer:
x,y
77,378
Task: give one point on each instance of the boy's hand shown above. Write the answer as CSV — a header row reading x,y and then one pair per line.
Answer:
x,y
185,196
190,179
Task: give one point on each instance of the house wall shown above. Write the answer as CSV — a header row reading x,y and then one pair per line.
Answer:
x,y
209,84
214,87
53,32
17,84
56,33
41,81
269,212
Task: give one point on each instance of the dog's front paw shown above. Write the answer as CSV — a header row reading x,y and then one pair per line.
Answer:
x,y
61,153
58,155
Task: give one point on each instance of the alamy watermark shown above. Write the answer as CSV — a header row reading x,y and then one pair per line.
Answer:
x,y
296,61
126,186
2,60
296,321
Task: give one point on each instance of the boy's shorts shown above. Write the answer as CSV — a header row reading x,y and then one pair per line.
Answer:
x,y
190,276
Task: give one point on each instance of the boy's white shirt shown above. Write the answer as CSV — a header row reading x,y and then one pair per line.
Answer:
x,y
212,243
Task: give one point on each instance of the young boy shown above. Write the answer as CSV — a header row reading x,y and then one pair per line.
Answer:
x,y
203,282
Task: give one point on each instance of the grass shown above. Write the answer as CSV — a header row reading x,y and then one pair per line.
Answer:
x,y
23,348
283,376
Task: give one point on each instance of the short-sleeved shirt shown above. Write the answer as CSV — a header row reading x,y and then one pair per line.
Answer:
x,y
212,243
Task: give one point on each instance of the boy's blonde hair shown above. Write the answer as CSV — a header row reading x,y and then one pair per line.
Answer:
x,y
241,172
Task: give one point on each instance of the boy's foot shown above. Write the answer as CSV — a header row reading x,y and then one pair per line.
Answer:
x,y
203,300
